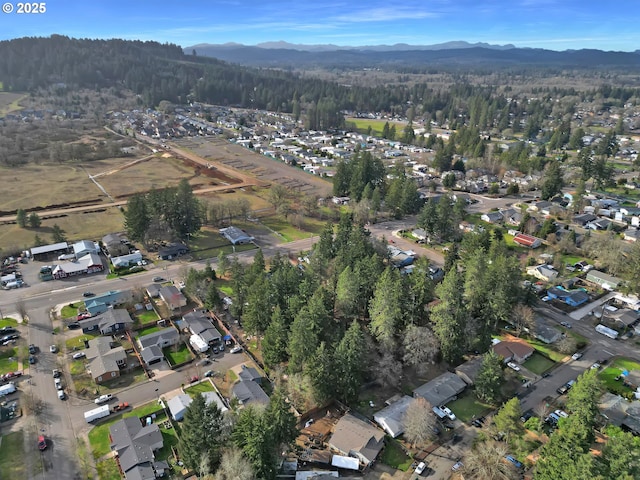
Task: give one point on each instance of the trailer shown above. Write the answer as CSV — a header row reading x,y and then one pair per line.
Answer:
x,y
7,389
97,413
606,331
198,344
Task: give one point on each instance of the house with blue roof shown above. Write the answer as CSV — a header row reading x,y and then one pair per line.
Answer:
x,y
113,298
573,298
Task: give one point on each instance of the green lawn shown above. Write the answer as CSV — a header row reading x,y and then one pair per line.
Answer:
x,y
546,349
199,388
69,311
609,374
394,456
176,357
99,435
8,322
538,363
224,286
12,450
169,439
148,330
8,359
78,342
363,124
571,259
467,407
108,470
287,232
147,316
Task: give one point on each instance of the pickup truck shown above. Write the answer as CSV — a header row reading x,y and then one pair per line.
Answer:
x,y
121,406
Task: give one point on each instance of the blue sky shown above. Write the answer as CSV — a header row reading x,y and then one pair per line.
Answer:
x,y
552,24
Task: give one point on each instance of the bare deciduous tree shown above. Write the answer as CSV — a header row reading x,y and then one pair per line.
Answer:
x,y
567,344
524,318
389,370
234,466
21,309
419,422
486,462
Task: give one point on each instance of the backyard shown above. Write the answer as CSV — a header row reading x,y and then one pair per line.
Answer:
x,y
467,407
146,316
394,456
538,363
613,371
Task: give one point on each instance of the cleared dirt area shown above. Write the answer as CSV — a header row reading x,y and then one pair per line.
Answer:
x,y
10,102
262,168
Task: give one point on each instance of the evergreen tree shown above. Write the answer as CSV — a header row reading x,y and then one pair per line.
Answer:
x,y
203,434
552,182
21,218
349,355
276,336
490,378
321,371
507,420
449,317
136,217
385,308
58,234
34,220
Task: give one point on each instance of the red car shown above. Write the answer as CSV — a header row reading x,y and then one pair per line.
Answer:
x,y
84,315
42,443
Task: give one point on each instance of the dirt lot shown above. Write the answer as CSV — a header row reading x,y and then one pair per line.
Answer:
x,y
263,168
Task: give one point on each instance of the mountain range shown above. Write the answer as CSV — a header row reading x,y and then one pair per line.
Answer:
x,y
457,54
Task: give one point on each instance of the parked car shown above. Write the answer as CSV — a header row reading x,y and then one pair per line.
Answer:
x,y
526,416
32,349
56,373
513,366
420,468
79,355
83,315
53,349
58,383
62,395
565,324
513,460
158,279
73,326
447,411
32,359
208,373
595,366
6,330
561,413
576,356
88,294
236,349
103,398
457,466
121,406
42,443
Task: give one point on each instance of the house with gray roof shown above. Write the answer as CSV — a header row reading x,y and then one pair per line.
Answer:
x,y
353,437
199,323
468,371
391,417
151,345
107,323
172,297
135,445
105,360
236,236
608,282
442,389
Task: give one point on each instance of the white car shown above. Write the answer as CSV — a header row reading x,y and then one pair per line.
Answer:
x,y
61,394
79,355
576,356
561,413
595,366
457,466
420,468
513,366
58,383
236,349
448,412
53,349
103,398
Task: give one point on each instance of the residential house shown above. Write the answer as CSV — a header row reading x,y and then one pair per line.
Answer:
x,y
573,298
248,390
513,351
623,317
179,404
599,224
112,298
84,247
545,273
608,282
105,361
151,345
135,445
353,437
115,245
584,219
128,260
545,332
391,418
468,371
89,263
107,323
527,240
236,236
632,234
419,234
198,323
442,389
153,290
173,297
172,251
538,206
492,217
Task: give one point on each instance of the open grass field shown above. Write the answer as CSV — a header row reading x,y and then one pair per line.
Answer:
x,y
288,232
468,407
10,102
363,124
12,450
8,359
538,363
77,226
394,456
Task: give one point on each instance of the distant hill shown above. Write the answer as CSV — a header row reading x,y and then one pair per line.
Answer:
x,y
459,54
